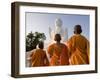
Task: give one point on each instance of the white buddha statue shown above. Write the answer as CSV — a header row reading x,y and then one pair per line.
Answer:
x,y
58,29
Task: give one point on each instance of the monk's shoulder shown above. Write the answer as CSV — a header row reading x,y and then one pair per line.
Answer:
x,y
39,50
52,45
72,38
63,45
43,52
83,37
33,51
78,36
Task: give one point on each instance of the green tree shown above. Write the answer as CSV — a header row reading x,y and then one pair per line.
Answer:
x,y
32,39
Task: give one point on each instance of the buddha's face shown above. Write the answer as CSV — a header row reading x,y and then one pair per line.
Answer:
x,y
58,22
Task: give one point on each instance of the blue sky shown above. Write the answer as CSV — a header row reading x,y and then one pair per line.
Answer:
x,y
42,21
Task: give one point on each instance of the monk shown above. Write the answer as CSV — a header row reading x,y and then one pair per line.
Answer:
x,y
58,52
78,47
38,57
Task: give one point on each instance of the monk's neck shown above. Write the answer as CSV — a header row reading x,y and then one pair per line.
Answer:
x,y
77,34
58,42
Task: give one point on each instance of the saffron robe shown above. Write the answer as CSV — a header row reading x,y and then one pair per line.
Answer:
x,y
58,54
39,58
79,50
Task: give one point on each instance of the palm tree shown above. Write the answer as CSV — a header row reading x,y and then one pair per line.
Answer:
x,y
32,39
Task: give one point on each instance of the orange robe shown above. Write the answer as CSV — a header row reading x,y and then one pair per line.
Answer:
x,y
39,58
58,54
79,49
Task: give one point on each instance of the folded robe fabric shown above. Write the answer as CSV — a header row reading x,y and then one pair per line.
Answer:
x,y
79,50
58,54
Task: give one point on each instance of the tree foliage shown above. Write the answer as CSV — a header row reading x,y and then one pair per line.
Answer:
x,y
32,39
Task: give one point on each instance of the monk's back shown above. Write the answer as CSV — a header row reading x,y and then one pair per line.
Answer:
x,y
59,54
80,42
78,46
58,48
38,57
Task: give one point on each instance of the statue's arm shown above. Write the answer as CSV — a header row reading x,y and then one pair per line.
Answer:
x,y
50,31
66,33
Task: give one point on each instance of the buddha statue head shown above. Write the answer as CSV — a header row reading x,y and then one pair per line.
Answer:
x,y
58,22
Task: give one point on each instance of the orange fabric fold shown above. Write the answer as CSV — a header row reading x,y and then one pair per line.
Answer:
x,y
39,58
79,50
58,54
